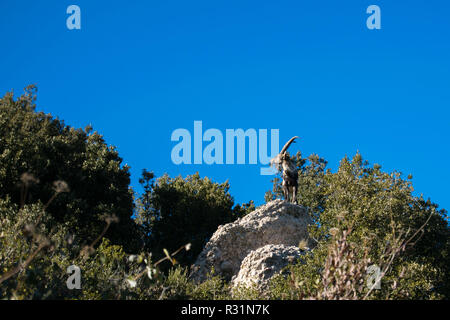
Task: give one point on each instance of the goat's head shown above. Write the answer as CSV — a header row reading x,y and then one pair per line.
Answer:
x,y
283,155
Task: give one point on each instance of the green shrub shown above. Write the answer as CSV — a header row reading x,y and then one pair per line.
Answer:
x,y
36,143
369,217
176,211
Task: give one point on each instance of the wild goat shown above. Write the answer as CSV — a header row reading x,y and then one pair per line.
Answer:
x,y
283,163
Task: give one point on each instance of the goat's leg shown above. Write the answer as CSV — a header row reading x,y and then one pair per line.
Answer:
x,y
294,194
286,192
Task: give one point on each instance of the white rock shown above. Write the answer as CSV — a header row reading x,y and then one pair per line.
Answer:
x,y
275,223
260,265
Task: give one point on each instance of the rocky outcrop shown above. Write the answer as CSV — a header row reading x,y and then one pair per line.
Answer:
x,y
260,265
275,223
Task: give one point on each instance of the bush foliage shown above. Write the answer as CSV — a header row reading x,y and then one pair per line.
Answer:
x,y
366,217
36,143
175,211
65,200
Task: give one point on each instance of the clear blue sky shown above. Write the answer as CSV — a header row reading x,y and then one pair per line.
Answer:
x,y
137,70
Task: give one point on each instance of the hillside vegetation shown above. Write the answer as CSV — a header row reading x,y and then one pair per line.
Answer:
x,y
65,199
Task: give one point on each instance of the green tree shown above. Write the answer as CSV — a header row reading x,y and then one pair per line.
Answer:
x,y
34,260
370,217
177,211
36,143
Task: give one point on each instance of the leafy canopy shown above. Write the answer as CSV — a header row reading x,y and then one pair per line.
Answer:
x,y
366,217
36,143
176,211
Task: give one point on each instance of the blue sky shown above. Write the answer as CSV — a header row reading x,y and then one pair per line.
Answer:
x,y
138,70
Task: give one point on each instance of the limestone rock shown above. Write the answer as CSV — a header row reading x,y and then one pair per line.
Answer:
x,y
260,265
275,223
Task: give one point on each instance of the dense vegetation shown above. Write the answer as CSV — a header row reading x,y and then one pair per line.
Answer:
x,y
65,200
42,146
175,211
366,217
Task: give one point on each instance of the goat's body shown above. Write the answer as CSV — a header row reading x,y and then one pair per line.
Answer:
x,y
284,163
290,182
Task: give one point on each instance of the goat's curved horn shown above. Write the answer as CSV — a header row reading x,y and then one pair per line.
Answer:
x,y
286,146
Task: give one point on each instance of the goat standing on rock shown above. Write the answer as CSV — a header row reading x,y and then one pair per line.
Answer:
x,y
283,163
